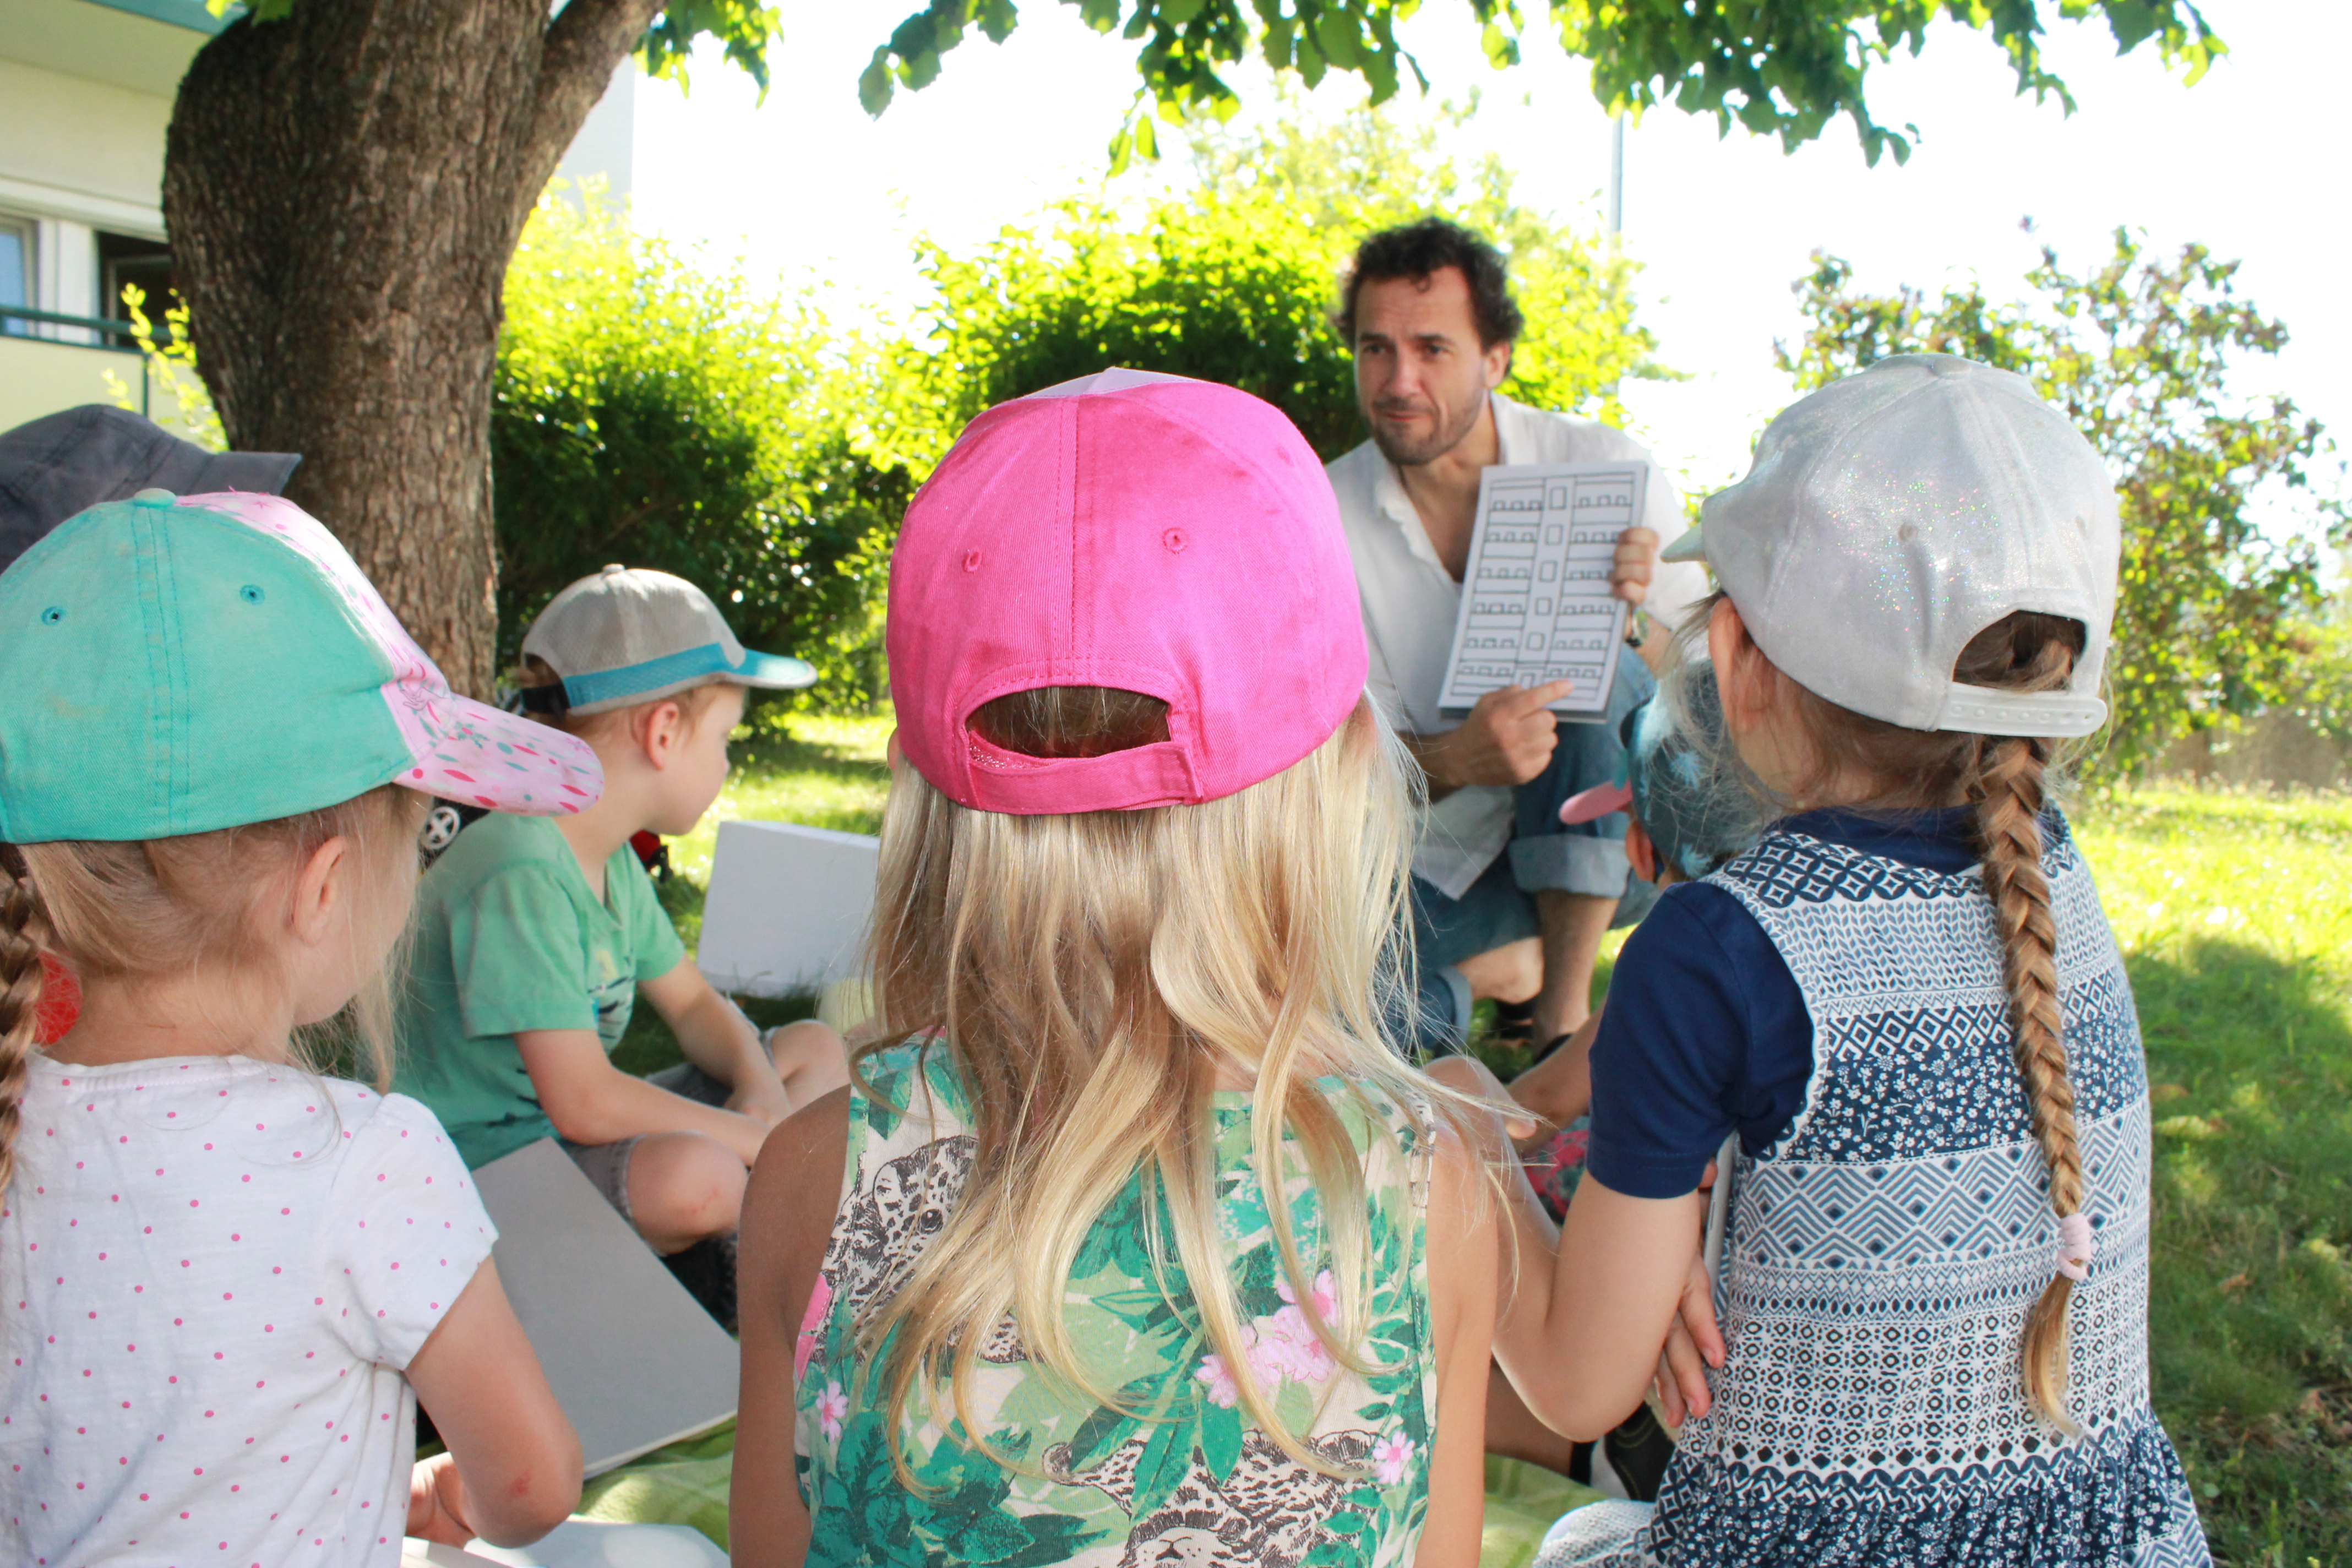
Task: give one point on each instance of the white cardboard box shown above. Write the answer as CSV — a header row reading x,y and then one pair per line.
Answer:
x,y
787,906
634,1363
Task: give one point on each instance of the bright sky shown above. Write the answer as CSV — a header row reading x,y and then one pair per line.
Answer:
x,y
808,186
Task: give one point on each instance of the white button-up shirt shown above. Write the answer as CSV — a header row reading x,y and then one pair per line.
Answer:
x,y
1411,604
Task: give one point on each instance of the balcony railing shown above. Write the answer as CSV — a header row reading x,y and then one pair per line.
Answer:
x,y
109,337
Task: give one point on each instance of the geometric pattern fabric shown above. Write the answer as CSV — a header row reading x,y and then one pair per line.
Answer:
x,y
1881,1255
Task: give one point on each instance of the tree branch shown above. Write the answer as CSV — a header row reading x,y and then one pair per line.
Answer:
x,y
587,39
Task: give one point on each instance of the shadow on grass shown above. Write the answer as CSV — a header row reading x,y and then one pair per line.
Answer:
x,y
2250,1308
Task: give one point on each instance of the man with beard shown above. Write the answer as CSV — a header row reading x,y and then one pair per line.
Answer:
x,y
1507,902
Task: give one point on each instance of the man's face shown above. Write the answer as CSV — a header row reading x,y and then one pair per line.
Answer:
x,y
1421,377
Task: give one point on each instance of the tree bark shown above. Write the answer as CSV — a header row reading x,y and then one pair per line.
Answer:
x,y
343,189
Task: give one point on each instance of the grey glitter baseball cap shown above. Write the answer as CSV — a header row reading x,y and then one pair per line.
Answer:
x,y
1892,516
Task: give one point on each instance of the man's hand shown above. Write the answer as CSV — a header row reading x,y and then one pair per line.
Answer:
x,y
1635,563
1508,740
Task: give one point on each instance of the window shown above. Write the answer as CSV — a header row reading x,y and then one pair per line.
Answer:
x,y
15,273
124,261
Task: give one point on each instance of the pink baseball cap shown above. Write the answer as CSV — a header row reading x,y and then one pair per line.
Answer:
x,y
1135,531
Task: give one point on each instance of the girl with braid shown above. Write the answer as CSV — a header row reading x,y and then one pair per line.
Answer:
x,y
1902,1014
225,1279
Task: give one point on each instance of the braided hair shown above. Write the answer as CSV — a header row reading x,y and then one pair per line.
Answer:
x,y
2007,780
21,976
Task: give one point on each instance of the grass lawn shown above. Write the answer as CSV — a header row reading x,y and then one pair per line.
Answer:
x,y
2235,917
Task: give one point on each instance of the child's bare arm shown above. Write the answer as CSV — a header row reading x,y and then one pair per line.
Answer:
x,y
1560,1088
1462,1251
1623,1264
590,1101
771,1075
718,1038
513,1468
787,1219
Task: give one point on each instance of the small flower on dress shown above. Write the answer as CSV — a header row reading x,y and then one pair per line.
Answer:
x,y
1224,1392
1390,1457
831,1409
812,1332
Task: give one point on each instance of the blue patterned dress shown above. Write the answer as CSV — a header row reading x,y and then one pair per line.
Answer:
x,y
1882,1254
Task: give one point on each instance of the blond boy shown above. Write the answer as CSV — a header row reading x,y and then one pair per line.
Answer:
x,y
535,936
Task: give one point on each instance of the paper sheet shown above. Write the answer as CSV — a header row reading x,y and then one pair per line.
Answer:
x,y
1536,604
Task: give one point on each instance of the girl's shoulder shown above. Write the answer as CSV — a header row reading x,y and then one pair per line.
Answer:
x,y
910,1089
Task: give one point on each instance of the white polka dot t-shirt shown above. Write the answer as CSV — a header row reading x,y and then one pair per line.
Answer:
x,y
212,1272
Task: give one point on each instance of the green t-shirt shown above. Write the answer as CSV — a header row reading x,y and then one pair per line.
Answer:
x,y
509,937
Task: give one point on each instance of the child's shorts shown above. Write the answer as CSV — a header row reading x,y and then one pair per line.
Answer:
x,y
607,1165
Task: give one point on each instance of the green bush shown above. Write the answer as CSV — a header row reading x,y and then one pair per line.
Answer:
x,y
654,412
1235,281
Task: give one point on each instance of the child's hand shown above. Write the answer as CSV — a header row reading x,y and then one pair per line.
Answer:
x,y
763,1099
436,1502
1694,1343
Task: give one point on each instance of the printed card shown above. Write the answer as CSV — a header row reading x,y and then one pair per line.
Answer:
x,y
1536,606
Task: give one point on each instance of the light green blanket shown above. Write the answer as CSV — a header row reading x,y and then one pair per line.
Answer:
x,y
685,1483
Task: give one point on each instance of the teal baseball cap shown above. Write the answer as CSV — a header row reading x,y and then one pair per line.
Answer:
x,y
180,664
1671,779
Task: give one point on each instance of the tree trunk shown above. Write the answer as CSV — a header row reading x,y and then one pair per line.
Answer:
x,y
343,189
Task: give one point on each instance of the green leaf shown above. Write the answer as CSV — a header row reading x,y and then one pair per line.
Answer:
x,y
1221,1439
1166,1460
873,87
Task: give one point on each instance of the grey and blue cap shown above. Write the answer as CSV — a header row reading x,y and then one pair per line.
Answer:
x,y
629,635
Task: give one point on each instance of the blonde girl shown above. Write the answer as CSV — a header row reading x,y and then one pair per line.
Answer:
x,y
1133,1241
1905,1005
225,1279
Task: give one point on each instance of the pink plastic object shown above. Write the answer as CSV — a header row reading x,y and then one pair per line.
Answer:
x,y
2075,1246
1598,801
1171,537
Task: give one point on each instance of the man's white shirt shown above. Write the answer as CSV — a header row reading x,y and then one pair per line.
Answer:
x,y
1411,604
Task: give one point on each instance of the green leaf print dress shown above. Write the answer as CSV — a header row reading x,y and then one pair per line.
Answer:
x,y
1177,1477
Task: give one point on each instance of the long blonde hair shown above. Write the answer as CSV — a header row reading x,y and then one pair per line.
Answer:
x,y
146,908
1088,976
2007,779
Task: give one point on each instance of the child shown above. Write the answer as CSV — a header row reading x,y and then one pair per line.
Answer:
x,y
218,1265
1906,1003
1131,1240
533,937
1686,818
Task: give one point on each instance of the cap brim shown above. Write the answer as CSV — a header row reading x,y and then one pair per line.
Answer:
x,y
471,753
1688,545
774,672
265,472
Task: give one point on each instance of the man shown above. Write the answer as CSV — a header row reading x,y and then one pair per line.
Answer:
x,y
1507,902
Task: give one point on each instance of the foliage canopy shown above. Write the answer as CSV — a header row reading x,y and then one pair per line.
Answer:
x,y
652,412
2137,353
1784,68
1235,281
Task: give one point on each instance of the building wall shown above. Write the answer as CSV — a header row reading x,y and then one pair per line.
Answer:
x,y
86,92
85,152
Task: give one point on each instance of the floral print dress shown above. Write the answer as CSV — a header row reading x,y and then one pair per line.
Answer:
x,y
1178,1475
